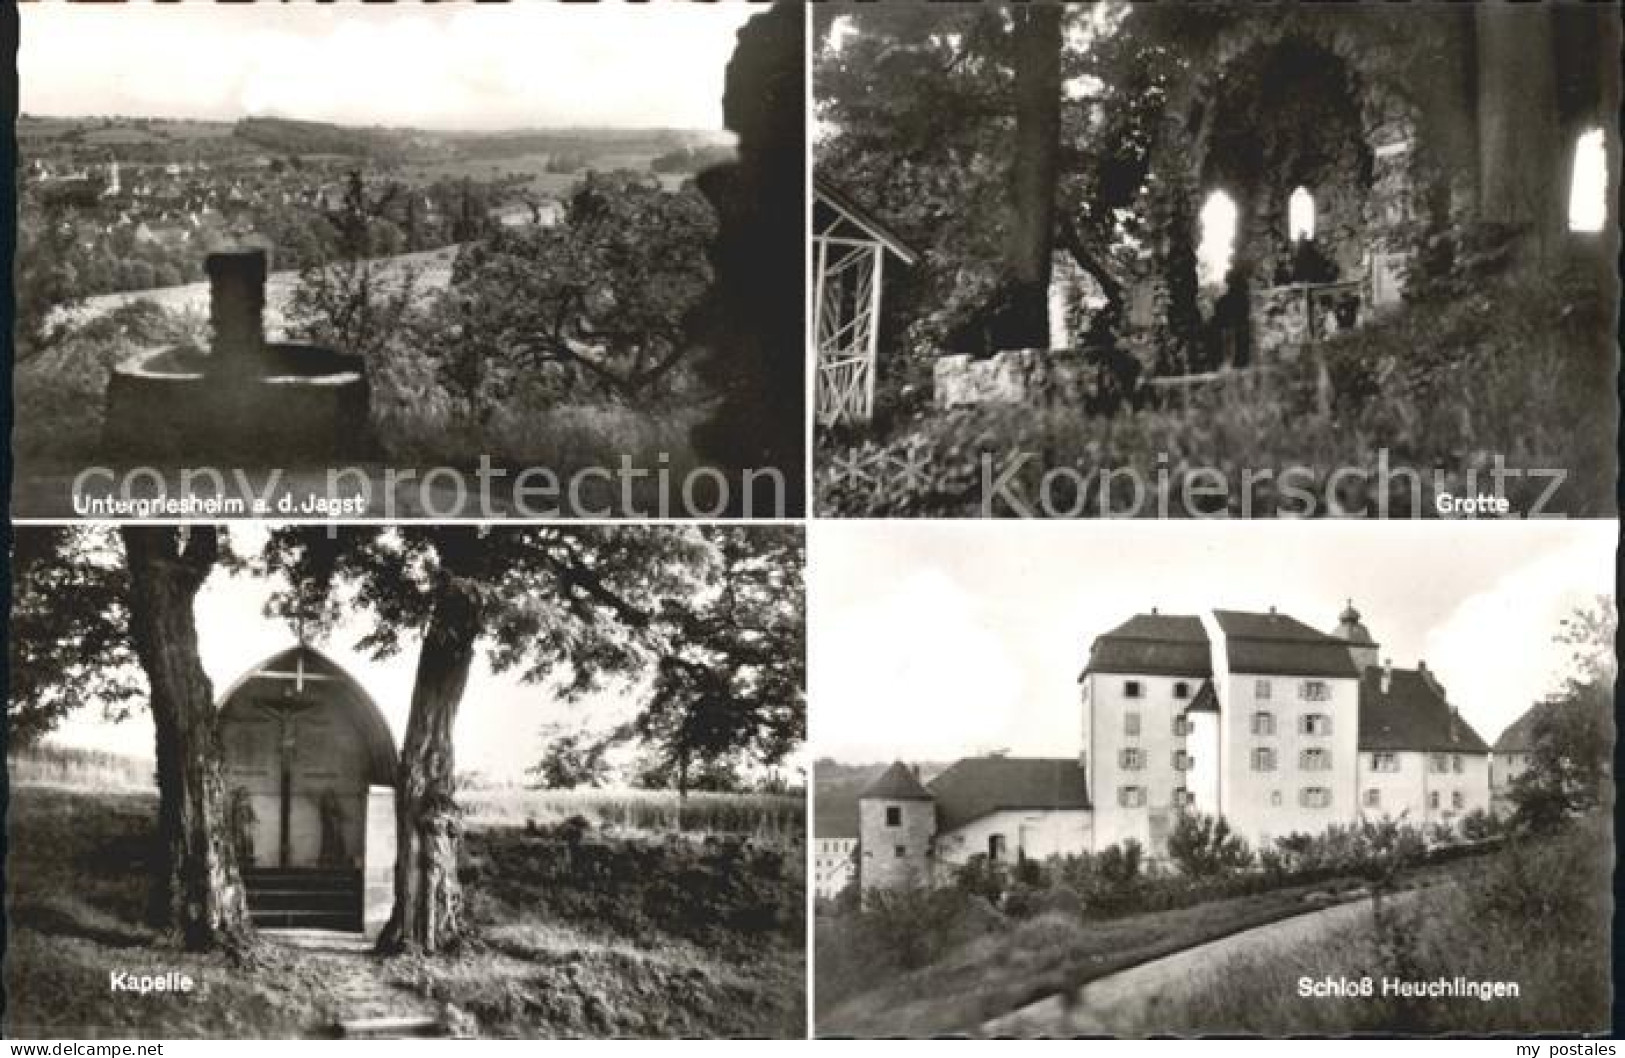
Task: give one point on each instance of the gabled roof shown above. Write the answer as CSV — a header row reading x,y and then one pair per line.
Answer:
x,y
330,684
1519,737
1273,644
829,196
896,783
1206,700
1153,645
1413,716
979,786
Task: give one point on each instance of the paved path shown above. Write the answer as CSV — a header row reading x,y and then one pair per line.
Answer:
x,y
1126,1003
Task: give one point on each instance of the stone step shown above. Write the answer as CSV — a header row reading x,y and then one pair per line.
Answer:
x,y
306,918
391,1028
311,899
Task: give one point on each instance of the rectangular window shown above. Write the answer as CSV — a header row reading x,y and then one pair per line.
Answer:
x,y
1373,798
1131,796
1131,759
1315,797
1433,799
1182,797
1182,760
1261,690
995,847
1315,691
1314,760
1264,723
894,816
1387,762
902,851
1131,688
1182,726
1131,723
1455,763
1263,759
1438,763
1314,724
1458,800
1182,690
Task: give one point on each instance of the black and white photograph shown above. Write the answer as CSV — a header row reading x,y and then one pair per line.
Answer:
x,y
1189,260
297,781
303,260
1257,779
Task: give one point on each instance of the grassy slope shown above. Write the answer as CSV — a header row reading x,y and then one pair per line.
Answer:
x,y
561,954
1042,956
1537,916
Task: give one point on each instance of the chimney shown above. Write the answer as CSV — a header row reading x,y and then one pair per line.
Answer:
x,y
1387,674
237,308
1428,678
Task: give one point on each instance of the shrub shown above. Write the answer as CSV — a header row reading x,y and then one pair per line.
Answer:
x,y
1202,845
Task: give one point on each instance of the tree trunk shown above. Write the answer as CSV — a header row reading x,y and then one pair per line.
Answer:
x,y
428,912
198,895
1034,168
1520,160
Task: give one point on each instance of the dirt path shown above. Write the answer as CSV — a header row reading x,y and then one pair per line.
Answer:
x,y
357,988
1126,1003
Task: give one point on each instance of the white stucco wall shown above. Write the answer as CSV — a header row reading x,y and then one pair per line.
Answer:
x,y
834,865
1105,738
1264,805
1038,834
1405,794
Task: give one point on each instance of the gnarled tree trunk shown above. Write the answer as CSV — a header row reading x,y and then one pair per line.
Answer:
x,y
1034,169
198,894
1520,160
428,913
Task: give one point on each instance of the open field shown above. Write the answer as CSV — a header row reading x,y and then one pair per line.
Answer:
x,y
581,932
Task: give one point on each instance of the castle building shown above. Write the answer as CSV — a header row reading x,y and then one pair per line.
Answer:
x,y
1513,752
835,845
1259,718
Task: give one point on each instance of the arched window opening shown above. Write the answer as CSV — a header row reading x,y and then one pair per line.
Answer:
x,y
1213,253
1588,190
1300,215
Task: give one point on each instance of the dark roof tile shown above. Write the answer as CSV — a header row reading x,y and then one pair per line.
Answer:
x,y
1413,716
896,783
979,786
1272,644
1153,645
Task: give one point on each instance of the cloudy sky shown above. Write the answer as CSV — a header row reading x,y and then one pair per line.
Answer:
x,y
931,641
499,728
448,65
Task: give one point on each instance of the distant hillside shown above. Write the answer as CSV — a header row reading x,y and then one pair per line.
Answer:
x,y
836,786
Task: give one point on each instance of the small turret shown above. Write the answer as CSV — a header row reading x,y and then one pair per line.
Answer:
x,y
897,824
1362,648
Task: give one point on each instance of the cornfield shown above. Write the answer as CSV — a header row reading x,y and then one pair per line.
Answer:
x,y
85,769
766,817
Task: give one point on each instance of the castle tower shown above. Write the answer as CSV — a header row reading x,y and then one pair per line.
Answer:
x,y
1362,648
897,823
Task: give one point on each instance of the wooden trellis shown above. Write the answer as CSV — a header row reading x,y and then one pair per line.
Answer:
x,y
849,255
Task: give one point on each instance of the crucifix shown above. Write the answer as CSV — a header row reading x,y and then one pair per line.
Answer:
x,y
286,711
